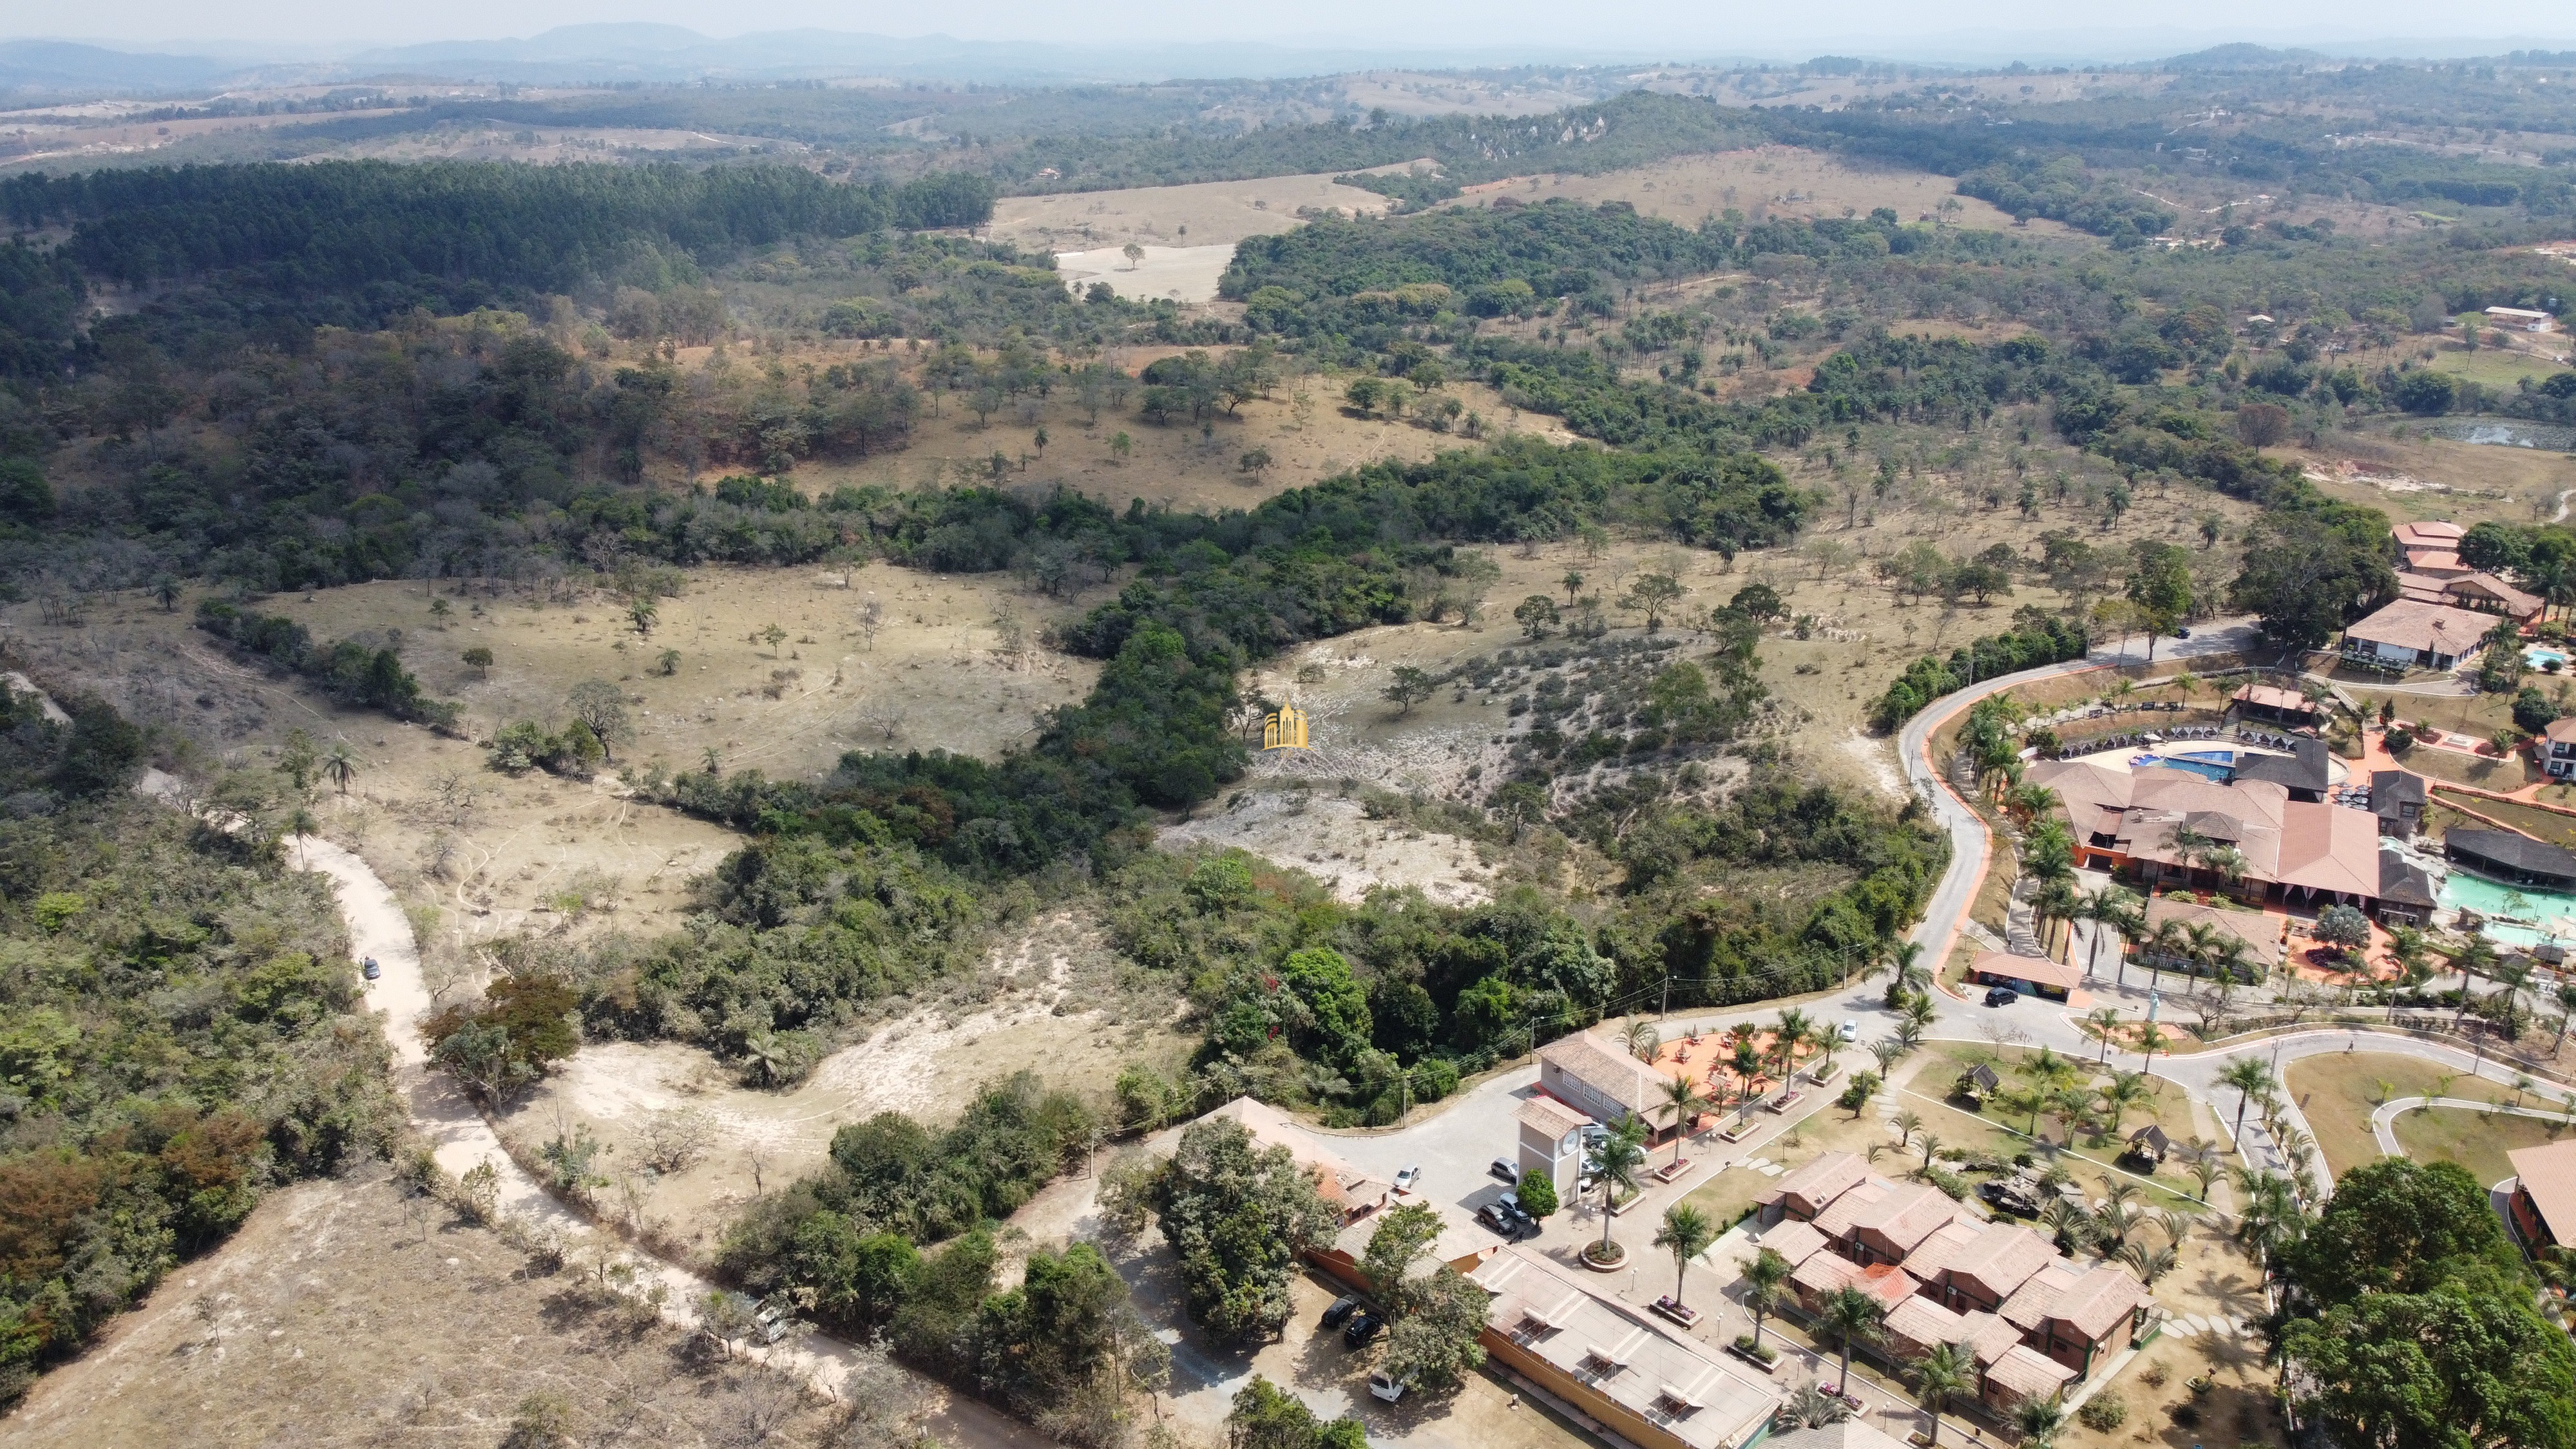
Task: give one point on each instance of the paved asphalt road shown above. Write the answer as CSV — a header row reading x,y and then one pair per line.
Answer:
x,y
1453,1142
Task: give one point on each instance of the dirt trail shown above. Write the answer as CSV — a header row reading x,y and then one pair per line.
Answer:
x,y
462,1139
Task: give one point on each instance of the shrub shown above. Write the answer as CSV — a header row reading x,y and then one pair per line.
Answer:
x,y
1537,1193
2103,1412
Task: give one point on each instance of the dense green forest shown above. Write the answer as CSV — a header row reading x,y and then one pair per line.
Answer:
x,y
180,1028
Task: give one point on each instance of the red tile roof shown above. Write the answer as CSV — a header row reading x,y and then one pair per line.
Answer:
x,y
1810,1188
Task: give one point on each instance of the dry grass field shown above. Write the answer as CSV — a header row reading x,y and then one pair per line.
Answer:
x,y
1765,181
340,1314
1211,213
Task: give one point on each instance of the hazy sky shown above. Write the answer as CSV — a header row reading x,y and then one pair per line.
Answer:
x,y
1735,26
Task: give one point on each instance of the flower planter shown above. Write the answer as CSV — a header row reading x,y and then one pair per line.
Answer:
x,y
1737,1133
1743,1348
1612,1264
1679,1313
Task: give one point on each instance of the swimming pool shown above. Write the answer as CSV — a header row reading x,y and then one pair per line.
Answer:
x,y
2203,768
2215,757
2540,657
2553,911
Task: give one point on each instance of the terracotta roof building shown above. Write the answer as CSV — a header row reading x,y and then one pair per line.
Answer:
x,y
2273,702
2142,820
2543,1206
2036,1319
2260,934
2488,594
2412,634
1805,1192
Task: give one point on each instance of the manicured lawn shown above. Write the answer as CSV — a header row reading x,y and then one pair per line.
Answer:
x,y
1998,1131
2548,825
2505,774
2477,1141
2337,1094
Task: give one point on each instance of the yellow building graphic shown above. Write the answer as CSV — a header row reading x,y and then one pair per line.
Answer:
x,y
1285,730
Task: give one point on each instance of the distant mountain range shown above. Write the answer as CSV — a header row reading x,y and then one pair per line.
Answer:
x,y
639,52
607,53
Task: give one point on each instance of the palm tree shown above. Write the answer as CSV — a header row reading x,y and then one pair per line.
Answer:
x,y
1642,1039
340,766
2127,1091
2206,1171
1849,1318
2151,1041
1886,1053
2479,958
1930,1145
1766,1284
1910,974
1906,1123
2053,902
2167,942
301,824
1688,1232
2040,1421
1747,1065
2248,1075
2103,1020
1682,1098
2098,907
1614,1164
1787,1037
1810,1407
1949,1369
2067,1222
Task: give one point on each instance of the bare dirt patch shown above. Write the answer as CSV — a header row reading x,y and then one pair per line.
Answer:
x,y
1332,839
1765,181
1046,1002
1211,213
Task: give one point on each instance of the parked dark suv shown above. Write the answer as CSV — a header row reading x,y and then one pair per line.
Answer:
x,y
2001,996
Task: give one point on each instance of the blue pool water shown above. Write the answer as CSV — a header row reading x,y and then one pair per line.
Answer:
x,y
2539,657
2215,757
2203,768
2555,910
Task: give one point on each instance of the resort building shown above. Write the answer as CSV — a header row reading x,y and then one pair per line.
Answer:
x,y
2260,935
2168,826
2431,548
2397,796
2511,857
1551,1142
2412,634
2036,1320
2271,702
1600,1078
2557,749
2543,1206
1653,1388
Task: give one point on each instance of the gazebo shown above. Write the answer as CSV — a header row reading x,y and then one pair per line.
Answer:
x,y
2271,702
